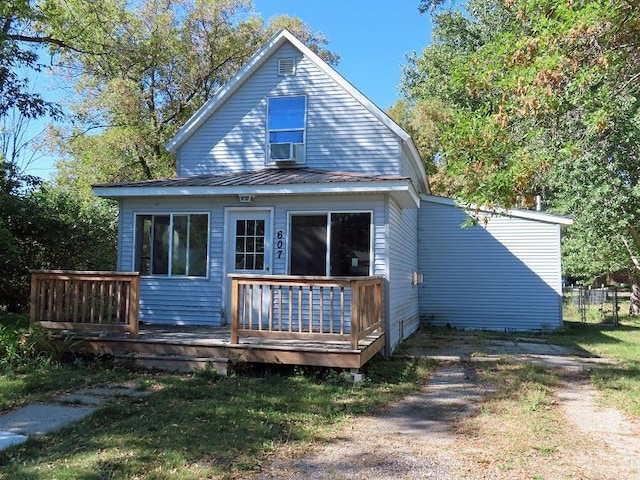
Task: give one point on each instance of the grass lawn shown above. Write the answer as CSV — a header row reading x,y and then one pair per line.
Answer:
x,y
520,431
206,426
26,375
620,382
192,426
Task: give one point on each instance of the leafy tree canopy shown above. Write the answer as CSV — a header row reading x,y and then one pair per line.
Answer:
x,y
153,64
543,97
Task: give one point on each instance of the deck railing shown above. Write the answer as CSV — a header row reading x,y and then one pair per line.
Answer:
x,y
102,301
305,308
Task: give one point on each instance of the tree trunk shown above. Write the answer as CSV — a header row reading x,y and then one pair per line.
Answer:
x,y
634,304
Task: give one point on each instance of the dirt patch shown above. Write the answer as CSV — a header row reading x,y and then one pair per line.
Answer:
x,y
445,433
616,438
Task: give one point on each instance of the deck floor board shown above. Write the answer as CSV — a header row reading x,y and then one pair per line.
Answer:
x,y
215,341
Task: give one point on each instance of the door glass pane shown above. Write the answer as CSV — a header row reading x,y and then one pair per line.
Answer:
x,y
198,236
160,264
308,245
350,244
250,242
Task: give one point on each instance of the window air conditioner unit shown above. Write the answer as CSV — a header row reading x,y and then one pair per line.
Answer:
x,y
286,152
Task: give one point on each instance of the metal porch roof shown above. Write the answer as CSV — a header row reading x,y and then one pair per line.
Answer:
x,y
268,176
269,181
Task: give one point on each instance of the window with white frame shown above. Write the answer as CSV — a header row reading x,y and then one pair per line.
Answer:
x,y
335,244
174,244
286,118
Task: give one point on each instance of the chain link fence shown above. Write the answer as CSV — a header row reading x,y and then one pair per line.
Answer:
x,y
592,305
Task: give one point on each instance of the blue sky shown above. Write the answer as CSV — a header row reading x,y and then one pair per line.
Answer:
x,y
372,38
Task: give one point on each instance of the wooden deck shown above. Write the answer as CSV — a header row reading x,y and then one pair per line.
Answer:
x,y
167,347
323,321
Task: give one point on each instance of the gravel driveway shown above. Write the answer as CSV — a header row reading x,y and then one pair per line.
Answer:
x,y
416,438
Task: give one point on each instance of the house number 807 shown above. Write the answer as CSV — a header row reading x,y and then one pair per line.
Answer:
x,y
279,243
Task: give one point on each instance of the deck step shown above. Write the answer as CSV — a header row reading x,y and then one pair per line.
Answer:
x,y
174,363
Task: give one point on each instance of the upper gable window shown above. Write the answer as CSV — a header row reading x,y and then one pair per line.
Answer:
x,y
286,128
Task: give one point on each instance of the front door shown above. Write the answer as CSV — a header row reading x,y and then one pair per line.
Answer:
x,y
248,244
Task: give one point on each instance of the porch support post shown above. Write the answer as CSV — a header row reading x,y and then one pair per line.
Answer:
x,y
233,338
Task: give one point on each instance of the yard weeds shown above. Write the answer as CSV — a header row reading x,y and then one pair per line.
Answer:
x,y
208,426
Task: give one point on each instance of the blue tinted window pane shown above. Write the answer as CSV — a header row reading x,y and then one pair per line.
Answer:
x,y
286,113
286,137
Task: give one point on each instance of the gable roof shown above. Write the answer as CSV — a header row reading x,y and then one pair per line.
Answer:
x,y
254,63
268,181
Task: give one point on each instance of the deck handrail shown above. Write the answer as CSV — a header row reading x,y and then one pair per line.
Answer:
x,y
88,300
305,308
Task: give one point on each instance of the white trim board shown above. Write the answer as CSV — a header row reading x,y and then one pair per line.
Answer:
x,y
516,213
402,191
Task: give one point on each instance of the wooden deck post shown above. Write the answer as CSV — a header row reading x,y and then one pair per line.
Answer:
x,y
377,302
355,313
134,302
34,306
235,321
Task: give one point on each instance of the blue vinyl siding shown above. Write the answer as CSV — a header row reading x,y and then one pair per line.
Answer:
x,y
341,134
502,276
202,301
182,301
403,260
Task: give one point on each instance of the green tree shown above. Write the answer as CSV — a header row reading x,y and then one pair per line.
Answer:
x,y
154,63
40,226
19,39
547,103
49,228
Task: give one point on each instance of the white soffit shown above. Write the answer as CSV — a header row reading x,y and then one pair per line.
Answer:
x,y
403,192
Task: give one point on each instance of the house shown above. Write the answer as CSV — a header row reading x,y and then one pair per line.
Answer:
x,y
300,207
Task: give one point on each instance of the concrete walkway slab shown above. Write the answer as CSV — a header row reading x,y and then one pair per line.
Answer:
x,y
78,398
40,419
114,392
8,439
